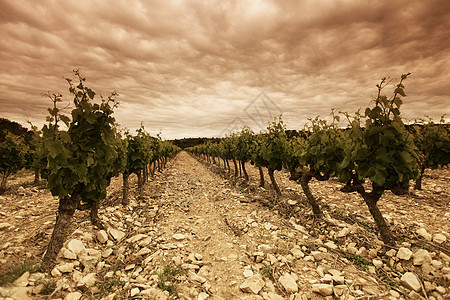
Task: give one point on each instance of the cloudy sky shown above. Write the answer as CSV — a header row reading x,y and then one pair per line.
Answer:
x,y
199,68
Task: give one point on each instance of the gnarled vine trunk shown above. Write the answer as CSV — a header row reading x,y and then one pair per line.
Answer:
x,y
371,200
37,178
244,171
125,189
261,177
274,183
94,215
236,172
66,209
304,182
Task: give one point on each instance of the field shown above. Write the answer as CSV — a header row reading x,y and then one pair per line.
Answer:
x,y
199,233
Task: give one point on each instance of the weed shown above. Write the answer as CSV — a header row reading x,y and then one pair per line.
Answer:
x,y
17,270
358,260
49,287
166,277
266,271
110,285
391,282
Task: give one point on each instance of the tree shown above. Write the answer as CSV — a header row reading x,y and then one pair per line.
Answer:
x,y
12,157
243,148
382,151
81,160
273,148
433,141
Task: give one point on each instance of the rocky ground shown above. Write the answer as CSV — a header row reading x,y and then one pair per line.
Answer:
x,y
198,234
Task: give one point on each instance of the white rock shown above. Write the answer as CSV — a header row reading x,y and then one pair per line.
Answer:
x,y
66,253
73,296
107,253
194,277
19,293
178,236
323,289
76,246
22,280
297,253
331,245
272,296
439,238
343,233
421,257
404,253
88,280
410,280
253,284
391,253
5,226
65,268
377,263
116,234
102,236
248,273
134,291
202,296
423,233
288,283
55,272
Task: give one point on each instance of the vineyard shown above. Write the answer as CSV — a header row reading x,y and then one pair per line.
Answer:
x,y
352,208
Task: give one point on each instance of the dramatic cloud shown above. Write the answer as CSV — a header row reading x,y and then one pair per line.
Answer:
x,y
198,68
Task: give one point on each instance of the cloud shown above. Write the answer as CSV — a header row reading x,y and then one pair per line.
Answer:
x,y
190,68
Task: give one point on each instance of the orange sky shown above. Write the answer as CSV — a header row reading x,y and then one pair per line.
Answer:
x,y
198,68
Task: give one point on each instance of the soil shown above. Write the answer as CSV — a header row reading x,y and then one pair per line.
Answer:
x,y
226,223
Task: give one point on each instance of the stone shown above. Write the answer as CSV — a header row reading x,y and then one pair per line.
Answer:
x,y
330,245
66,253
391,253
421,257
377,263
323,289
88,280
410,280
253,284
272,259
22,280
73,296
178,236
297,253
248,273
194,277
439,238
65,268
404,253
55,272
343,233
272,296
445,257
153,293
19,293
423,233
107,253
116,234
134,291
288,283
441,290
89,262
5,226
101,236
76,246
